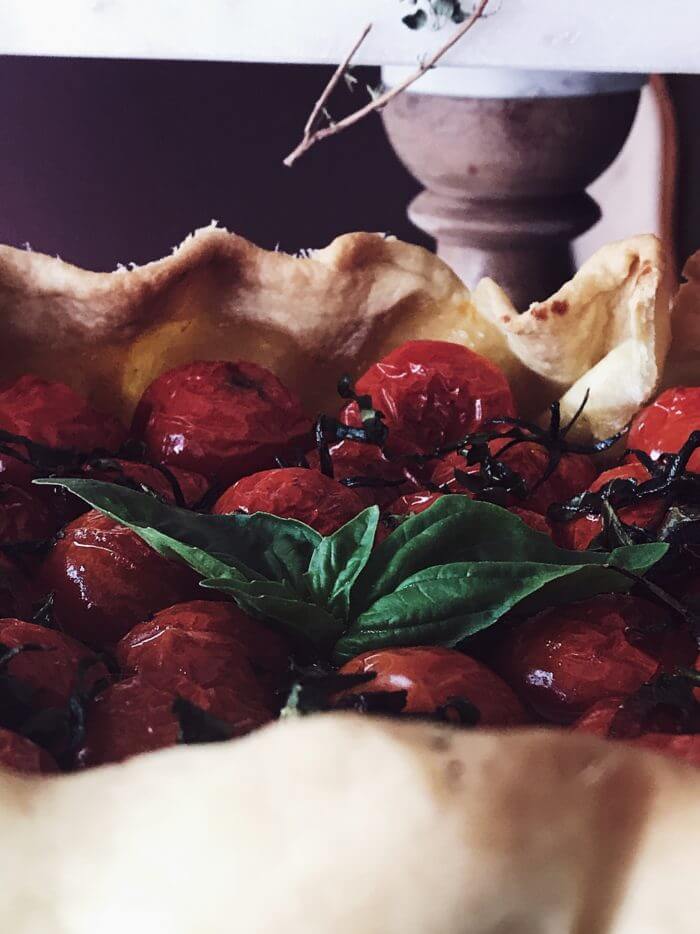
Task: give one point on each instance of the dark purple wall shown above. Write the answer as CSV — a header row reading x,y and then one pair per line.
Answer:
x,y
110,161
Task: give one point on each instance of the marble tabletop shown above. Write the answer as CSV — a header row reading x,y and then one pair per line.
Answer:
x,y
571,35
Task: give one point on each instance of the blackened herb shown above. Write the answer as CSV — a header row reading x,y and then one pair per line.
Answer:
x,y
670,482
43,614
199,726
670,696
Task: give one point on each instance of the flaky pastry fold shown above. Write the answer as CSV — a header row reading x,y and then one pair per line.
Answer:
x,y
314,318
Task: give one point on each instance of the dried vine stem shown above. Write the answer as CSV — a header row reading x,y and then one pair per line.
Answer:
x,y
314,134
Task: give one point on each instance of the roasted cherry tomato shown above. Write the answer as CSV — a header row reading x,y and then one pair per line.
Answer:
x,y
433,393
293,493
212,643
136,716
22,755
663,427
413,503
573,474
55,670
567,658
599,718
16,596
25,516
105,579
647,514
192,486
223,420
432,677
385,477
52,414
16,472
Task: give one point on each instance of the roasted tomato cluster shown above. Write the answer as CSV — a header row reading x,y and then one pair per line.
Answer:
x,y
108,649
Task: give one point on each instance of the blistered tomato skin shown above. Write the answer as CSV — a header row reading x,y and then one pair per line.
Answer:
x,y
105,579
212,643
664,426
293,493
220,419
50,413
598,720
352,459
56,670
580,533
433,393
193,486
567,658
432,675
22,755
136,716
574,473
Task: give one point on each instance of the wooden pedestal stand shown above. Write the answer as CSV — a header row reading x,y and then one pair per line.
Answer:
x,y
505,179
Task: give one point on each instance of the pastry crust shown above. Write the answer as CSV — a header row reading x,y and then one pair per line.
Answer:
x,y
342,823
313,319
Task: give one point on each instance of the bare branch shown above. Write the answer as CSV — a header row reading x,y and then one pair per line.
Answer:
x,y
312,122
312,135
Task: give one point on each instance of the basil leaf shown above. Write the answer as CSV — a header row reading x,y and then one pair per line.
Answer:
x,y
258,546
456,528
278,604
339,559
444,605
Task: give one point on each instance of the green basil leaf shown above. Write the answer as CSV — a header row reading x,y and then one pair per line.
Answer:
x,y
339,559
280,605
456,528
446,604
258,546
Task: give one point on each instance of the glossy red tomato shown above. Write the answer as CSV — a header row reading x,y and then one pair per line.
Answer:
x,y
432,676
663,427
565,659
599,718
61,667
574,473
411,504
580,533
223,420
353,459
193,486
50,413
105,579
212,643
293,493
433,393
136,716
22,755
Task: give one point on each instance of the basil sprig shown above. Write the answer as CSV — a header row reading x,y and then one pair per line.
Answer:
x,y
440,577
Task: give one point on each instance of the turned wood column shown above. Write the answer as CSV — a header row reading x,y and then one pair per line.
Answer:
x,y
505,179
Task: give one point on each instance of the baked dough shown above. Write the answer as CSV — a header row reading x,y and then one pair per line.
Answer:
x,y
312,319
340,824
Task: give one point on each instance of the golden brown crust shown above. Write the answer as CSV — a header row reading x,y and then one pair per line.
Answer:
x,y
312,319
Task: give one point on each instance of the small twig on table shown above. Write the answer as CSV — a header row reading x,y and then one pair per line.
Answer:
x,y
314,134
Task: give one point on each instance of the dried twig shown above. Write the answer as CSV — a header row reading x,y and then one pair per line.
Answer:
x,y
314,134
